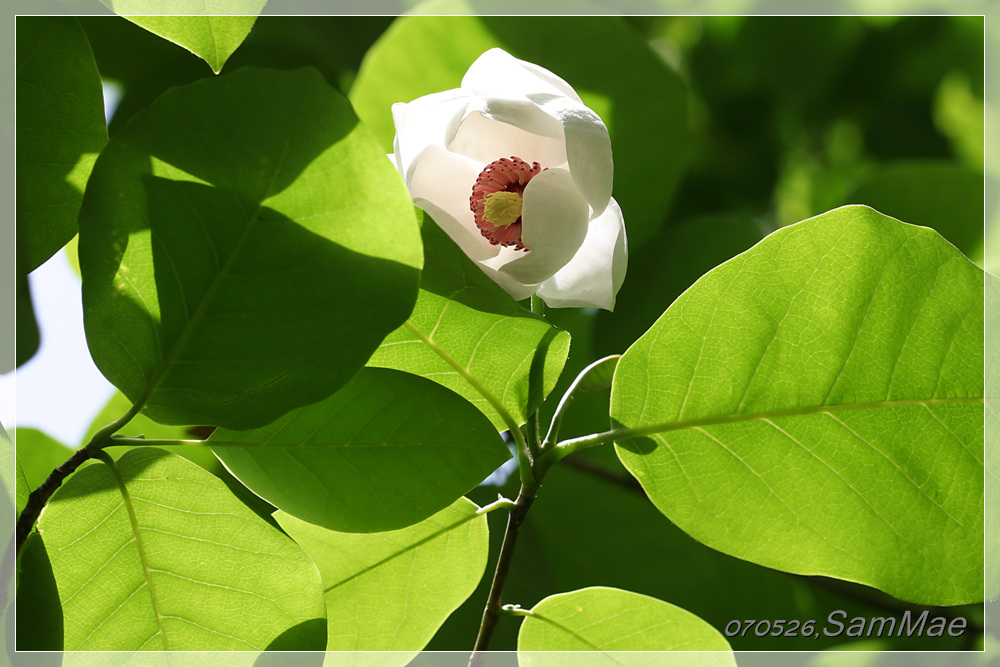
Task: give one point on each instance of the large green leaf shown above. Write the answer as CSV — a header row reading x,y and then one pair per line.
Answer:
x,y
641,100
211,38
815,405
942,195
245,246
386,451
611,620
464,319
165,557
391,591
60,131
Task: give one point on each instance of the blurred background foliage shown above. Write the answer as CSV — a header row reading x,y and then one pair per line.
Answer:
x,y
786,118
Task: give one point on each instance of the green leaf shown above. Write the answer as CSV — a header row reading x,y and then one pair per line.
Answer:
x,y
463,317
165,557
589,494
38,455
391,591
60,131
27,338
641,100
815,405
234,240
211,38
613,620
941,195
386,451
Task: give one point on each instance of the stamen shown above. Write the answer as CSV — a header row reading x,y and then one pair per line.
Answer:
x,y
496,199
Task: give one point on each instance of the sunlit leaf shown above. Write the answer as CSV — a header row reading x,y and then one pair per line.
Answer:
x,y
391,591
245,246
176,562
941,195
211,38
463,316
612,620
815,405
60,131
210,29
386,451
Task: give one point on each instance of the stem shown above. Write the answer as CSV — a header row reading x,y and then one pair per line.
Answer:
x,y
533,428
565,402
121,441
491,614
537,305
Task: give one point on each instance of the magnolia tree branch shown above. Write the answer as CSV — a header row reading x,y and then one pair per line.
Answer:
x,y
41,495
491,614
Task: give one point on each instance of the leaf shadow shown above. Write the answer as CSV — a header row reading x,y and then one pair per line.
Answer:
x,y
39,611
253,314
306,636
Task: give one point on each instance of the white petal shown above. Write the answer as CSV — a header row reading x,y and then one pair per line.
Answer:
x,y
588,147
496,128
441,185
496,72
594,275
554,226
424,122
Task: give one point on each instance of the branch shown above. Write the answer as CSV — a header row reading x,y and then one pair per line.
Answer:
x,y
491,614
41,495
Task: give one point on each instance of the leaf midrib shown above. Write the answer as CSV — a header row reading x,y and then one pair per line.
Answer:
x,y
664,427
140,547
571,633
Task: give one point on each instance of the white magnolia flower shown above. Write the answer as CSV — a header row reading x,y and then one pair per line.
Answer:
x,y
518,172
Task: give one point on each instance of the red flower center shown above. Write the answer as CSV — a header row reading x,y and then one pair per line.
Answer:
x,y
498,216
